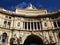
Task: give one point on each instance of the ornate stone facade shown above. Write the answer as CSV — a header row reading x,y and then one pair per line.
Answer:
x,y
29,24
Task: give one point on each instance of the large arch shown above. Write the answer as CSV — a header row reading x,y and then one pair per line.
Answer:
x,y
33,40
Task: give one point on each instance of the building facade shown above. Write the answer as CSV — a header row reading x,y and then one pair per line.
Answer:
x,y
29,26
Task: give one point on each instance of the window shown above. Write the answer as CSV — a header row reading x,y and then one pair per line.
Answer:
x,y
18,24
58,22
35,25
59,36
45,24
28,25
55,24
25,25
4,37
5,23
9,23
8,16
31,25
38,24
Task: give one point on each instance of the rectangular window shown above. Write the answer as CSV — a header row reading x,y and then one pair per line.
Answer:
x,y
58,23
35,25
32,25
25,25
5,23
38,25
28,25
55,25
9,23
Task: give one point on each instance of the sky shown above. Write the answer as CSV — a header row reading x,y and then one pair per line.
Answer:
x,y
50,5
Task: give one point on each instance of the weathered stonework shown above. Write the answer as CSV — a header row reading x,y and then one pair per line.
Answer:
x,y
27,22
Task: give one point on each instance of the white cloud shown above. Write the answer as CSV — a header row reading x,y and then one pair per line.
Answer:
x,y
21,5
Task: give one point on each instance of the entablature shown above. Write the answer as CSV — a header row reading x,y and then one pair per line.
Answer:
x,y
30,13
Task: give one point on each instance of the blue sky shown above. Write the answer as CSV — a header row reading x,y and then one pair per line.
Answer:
x,y
50,5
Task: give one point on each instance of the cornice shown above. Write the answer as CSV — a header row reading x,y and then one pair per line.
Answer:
x,y
7,12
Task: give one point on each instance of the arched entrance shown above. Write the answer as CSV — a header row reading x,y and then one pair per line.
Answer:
x,y
33,40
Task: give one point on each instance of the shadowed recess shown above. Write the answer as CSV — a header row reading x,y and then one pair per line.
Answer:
x,y
33,40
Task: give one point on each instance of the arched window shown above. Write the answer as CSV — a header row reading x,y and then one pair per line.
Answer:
x,y
5,23
9,23
4,37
